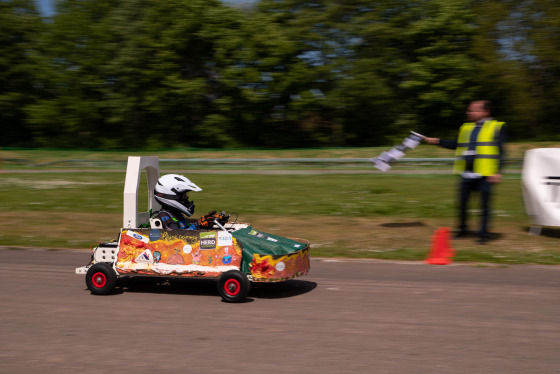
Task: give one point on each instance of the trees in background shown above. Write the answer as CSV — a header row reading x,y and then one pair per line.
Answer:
x,y
291,73
20,28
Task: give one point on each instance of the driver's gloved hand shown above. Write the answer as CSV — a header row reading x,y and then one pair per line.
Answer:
x,y
206,221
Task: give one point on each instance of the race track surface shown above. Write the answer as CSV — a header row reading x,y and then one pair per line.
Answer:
x,y
344,317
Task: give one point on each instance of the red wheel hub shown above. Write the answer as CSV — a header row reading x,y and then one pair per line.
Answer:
x,y
99,280
232,287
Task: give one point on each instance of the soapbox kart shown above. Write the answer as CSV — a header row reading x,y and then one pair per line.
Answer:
x,y
235,254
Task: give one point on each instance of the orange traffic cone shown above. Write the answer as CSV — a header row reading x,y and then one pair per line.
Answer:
x,y
441,252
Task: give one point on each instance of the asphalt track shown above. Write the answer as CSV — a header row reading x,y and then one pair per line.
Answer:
x,y
344,317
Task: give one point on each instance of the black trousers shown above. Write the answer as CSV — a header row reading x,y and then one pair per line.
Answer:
x,y
465,188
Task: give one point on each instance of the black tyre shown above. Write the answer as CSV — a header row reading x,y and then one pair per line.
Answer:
x,y
233,286
101,278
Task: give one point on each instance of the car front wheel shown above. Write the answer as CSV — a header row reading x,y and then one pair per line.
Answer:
x,y
101,279
233,286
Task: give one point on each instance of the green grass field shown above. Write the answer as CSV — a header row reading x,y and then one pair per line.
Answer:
x,y
23,159
385,216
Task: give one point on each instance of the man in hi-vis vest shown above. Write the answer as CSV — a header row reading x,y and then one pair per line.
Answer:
x,y
480,160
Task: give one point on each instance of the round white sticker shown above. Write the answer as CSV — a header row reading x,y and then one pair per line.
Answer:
x,y
280,266
187,249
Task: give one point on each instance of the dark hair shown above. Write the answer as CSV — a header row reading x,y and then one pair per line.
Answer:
x,y
487,105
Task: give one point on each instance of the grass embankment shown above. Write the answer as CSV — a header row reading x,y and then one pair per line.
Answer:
x,y
22,159
384,216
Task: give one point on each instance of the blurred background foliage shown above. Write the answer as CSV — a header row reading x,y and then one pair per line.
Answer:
x,y
123,74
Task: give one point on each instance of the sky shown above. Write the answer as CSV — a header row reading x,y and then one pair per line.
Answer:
x,y
46,7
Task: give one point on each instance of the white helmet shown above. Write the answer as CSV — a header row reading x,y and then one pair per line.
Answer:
x,y
172,192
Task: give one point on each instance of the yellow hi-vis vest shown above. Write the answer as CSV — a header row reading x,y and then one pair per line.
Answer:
x,y
487,152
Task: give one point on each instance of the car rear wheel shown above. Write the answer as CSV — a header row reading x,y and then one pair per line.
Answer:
x,y
233,286
101,279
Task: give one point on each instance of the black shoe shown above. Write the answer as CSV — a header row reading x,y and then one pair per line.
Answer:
x,y
460,234
482,238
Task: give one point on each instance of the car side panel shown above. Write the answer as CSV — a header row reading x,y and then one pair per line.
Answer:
x,y
187,253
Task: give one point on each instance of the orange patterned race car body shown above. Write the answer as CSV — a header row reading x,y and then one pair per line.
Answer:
x,y
186,253
275,268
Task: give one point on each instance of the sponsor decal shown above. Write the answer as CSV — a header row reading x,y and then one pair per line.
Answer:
x,y
261,235
137,236
280,266
208,240
154,235
224,239
257,234
187,248
145,257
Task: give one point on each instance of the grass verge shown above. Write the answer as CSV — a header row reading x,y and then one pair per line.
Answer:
x,y
379,216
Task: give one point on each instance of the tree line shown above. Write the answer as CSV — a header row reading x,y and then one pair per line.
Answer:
x,y
292,73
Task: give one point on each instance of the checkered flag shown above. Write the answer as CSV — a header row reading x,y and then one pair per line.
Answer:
x,y
382,162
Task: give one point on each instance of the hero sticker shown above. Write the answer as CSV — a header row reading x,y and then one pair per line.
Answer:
x,y
208,240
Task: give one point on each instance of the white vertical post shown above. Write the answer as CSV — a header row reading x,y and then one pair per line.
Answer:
x,y
134,169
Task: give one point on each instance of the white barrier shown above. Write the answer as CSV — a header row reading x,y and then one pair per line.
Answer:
x,y
541,187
